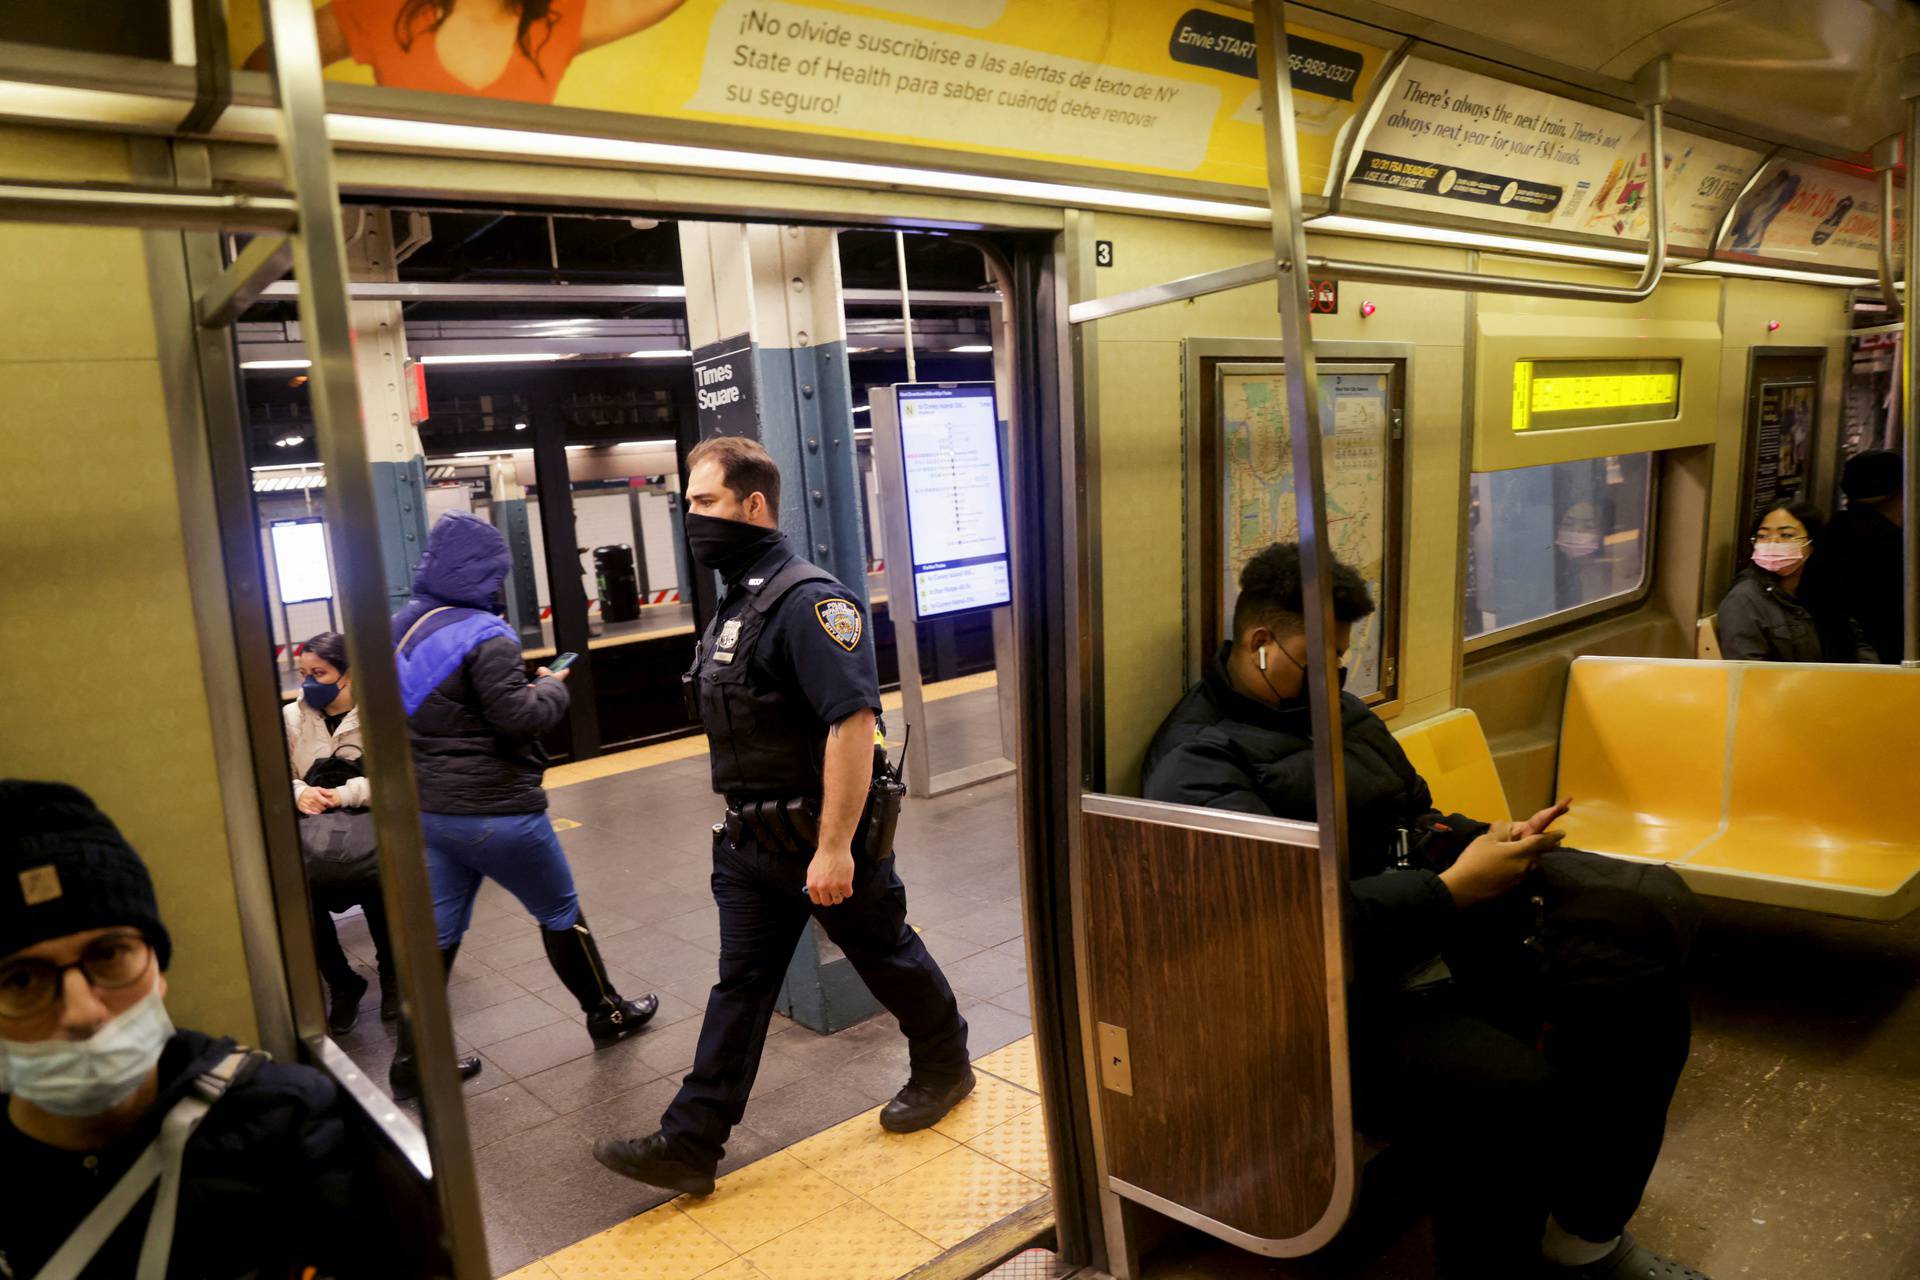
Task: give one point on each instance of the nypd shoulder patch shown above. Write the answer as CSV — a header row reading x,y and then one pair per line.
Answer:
x,y
841,620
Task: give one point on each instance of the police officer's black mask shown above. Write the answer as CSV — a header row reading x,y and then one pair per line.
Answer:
x,y
729,547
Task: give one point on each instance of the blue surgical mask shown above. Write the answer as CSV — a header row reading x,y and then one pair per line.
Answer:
x,y
319,696
87,1077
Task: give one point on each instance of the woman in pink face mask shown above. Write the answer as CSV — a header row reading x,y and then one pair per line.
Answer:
x,y
1776,611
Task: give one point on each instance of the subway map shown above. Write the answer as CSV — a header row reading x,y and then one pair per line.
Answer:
x,y
1257,507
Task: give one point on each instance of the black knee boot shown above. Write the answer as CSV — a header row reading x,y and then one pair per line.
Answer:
x,y
403,1077
576,959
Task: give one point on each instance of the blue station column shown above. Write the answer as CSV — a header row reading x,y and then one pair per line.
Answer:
x,y
389,403
767,324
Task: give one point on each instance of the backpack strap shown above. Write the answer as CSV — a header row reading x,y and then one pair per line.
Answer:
x,y
161,1163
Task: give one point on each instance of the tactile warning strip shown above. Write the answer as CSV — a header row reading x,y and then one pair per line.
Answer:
x,y
853,1202
1015,1064
955,1195
654,1246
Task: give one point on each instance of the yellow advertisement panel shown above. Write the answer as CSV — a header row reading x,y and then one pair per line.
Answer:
x,y
1156,87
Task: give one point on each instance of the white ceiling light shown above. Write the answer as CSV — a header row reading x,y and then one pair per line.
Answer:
x,y
276,364
659,355
644,444
519,426
426,135
513,357
291,466
491,453
1455,238
1780,273
861,408
972,349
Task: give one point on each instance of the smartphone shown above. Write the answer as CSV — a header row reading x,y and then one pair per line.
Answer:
x,y
561,663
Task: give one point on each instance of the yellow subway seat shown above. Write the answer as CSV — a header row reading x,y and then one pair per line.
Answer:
x,y
1643,754
1451,753
1786,849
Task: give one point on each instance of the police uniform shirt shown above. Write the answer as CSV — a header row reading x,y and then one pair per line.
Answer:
x,y
815,649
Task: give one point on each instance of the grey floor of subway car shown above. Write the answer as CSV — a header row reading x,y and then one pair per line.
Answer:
x,y
640,858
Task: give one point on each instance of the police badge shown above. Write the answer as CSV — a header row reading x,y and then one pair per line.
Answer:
x,y
841,620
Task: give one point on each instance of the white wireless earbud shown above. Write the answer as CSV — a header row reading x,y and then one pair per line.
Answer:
x,y
1263,657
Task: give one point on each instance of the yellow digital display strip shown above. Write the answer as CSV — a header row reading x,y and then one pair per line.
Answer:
x,y
1588,398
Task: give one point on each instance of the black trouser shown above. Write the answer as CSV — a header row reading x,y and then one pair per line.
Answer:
x,y
334,965
763,912
1517,1099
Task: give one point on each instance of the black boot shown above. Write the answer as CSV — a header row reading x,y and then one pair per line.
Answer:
x,y
576,959
653,1160
922,1104
343,1004
389,996
403,1075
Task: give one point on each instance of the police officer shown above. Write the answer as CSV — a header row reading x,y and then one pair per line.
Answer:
x,y
789,695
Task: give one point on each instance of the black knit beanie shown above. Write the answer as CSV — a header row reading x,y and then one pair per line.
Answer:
x,y
65,868
1871,475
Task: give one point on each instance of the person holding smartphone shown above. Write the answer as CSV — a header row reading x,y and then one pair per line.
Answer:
x,y
476,722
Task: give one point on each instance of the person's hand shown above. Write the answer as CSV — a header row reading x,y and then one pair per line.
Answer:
x,y
328,796
312,800
561,676
1496,862
830,876
1539,822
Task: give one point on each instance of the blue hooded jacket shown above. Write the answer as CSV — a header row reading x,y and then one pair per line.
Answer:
x,y
475,719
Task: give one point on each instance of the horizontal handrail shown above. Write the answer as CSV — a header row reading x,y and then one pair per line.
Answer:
x,y
119,205
1651,271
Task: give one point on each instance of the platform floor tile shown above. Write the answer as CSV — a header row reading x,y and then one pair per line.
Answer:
x,y
860,1155
993,1102
1020,1144
956,1195
1015,1064
854,1242
768,1198
661,1245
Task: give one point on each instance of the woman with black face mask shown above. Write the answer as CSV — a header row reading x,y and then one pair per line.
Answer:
x,y
323,746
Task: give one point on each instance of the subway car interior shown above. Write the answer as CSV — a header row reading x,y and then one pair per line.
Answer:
x,y
1268,451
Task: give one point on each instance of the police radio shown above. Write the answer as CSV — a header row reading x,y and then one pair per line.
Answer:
x,y
884,797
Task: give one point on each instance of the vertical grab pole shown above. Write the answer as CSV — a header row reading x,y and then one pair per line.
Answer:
x,y
1303,428
320,264
1909,384
906,304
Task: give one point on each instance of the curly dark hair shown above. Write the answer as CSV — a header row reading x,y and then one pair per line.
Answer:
x,y
416,16
1271,594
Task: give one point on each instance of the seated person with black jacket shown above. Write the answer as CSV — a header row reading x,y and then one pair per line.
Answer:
x,y
91,1067
1516,1021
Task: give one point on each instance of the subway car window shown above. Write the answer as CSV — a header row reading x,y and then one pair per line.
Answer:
x,y
1556,540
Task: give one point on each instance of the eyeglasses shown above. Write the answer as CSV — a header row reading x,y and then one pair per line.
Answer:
x,y
32,986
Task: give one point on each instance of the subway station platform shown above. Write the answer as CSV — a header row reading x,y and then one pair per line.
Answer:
x,y
810,1166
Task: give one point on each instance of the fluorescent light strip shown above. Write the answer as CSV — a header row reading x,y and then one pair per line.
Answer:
x,y
973,349
94,106
659,355
645,444
518,144
276,364
491,453
515,357
1780,273
292,466
1340,224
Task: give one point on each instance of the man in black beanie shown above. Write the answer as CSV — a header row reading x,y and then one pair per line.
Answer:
x,y
91,1069
1863,549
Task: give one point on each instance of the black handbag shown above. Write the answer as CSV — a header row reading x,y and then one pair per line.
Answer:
x,y
340,846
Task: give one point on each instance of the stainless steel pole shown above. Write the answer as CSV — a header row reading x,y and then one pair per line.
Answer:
x,y
1303,428
906,305
320,263
1316,561
1910,397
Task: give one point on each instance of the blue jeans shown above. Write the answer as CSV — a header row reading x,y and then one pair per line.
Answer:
x,y
517,849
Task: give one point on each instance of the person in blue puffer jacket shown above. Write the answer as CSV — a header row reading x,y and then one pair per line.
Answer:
x,y
476,722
